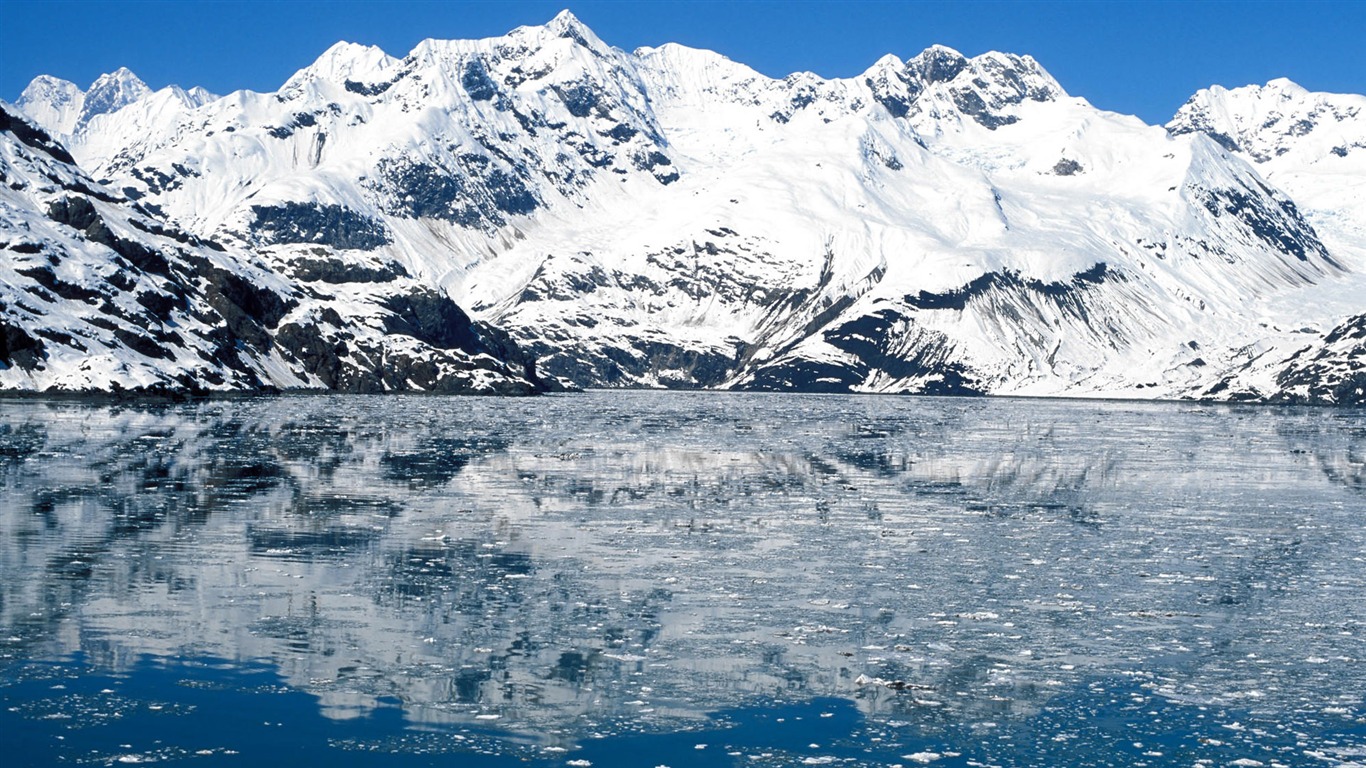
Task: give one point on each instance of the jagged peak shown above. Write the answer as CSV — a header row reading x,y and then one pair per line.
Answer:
x,y
1226,105
42,85
122,79
565,20
937,64
112,92
1267,121
46,97
889,62
1280,88
565,25
1016,63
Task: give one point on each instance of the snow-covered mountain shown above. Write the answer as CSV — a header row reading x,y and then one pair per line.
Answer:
x,y
98,293
1311,145
74,117
668,217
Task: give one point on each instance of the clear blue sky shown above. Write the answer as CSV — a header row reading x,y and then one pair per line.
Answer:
x,y
1142,58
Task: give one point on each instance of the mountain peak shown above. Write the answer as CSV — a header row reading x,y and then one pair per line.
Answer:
x,y
343,61
48,90
937,64
122,73
112,92
1265,122
565,25
888,61
1286,87
565,19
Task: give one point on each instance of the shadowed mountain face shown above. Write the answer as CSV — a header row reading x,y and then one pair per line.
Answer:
x,y
616,562
667,217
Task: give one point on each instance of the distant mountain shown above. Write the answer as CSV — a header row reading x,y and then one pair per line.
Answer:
x,y
99,293
668,217
1312,145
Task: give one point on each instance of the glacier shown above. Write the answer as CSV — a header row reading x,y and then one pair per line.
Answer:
x,y
667,217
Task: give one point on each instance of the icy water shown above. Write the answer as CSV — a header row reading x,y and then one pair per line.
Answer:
x,y
669,579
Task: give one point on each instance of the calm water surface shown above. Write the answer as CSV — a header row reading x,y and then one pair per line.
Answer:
x,y
647,579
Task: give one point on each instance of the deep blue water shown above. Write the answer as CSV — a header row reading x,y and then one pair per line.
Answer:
x,y
645,579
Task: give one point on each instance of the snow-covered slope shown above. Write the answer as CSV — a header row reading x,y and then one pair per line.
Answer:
x,y
1312,145
98,293
672,218
75,117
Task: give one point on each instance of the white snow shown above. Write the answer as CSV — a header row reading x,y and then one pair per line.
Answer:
x,y
799,205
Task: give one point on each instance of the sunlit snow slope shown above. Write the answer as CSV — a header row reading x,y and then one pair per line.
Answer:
x,y
668,217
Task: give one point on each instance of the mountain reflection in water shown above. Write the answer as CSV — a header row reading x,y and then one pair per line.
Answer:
x,y
621,562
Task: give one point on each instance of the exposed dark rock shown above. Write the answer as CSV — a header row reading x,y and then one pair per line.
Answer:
x,y
885,342
971,104
156,180
579,98
1066,167
801,375
366,90
480,192
334,225
79,213
18,348
621,132
248,311
477,82
45,277
1333,373
75,212
300,120
325,355
671,365
1270,217
658,164
162,304
959,298
938,65
337,271
142,344
432,318
897,102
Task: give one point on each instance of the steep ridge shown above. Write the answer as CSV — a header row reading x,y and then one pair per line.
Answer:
x,y
1313,146
668,217
100,294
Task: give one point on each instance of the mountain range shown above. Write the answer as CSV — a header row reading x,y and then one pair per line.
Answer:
x,y
542,210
